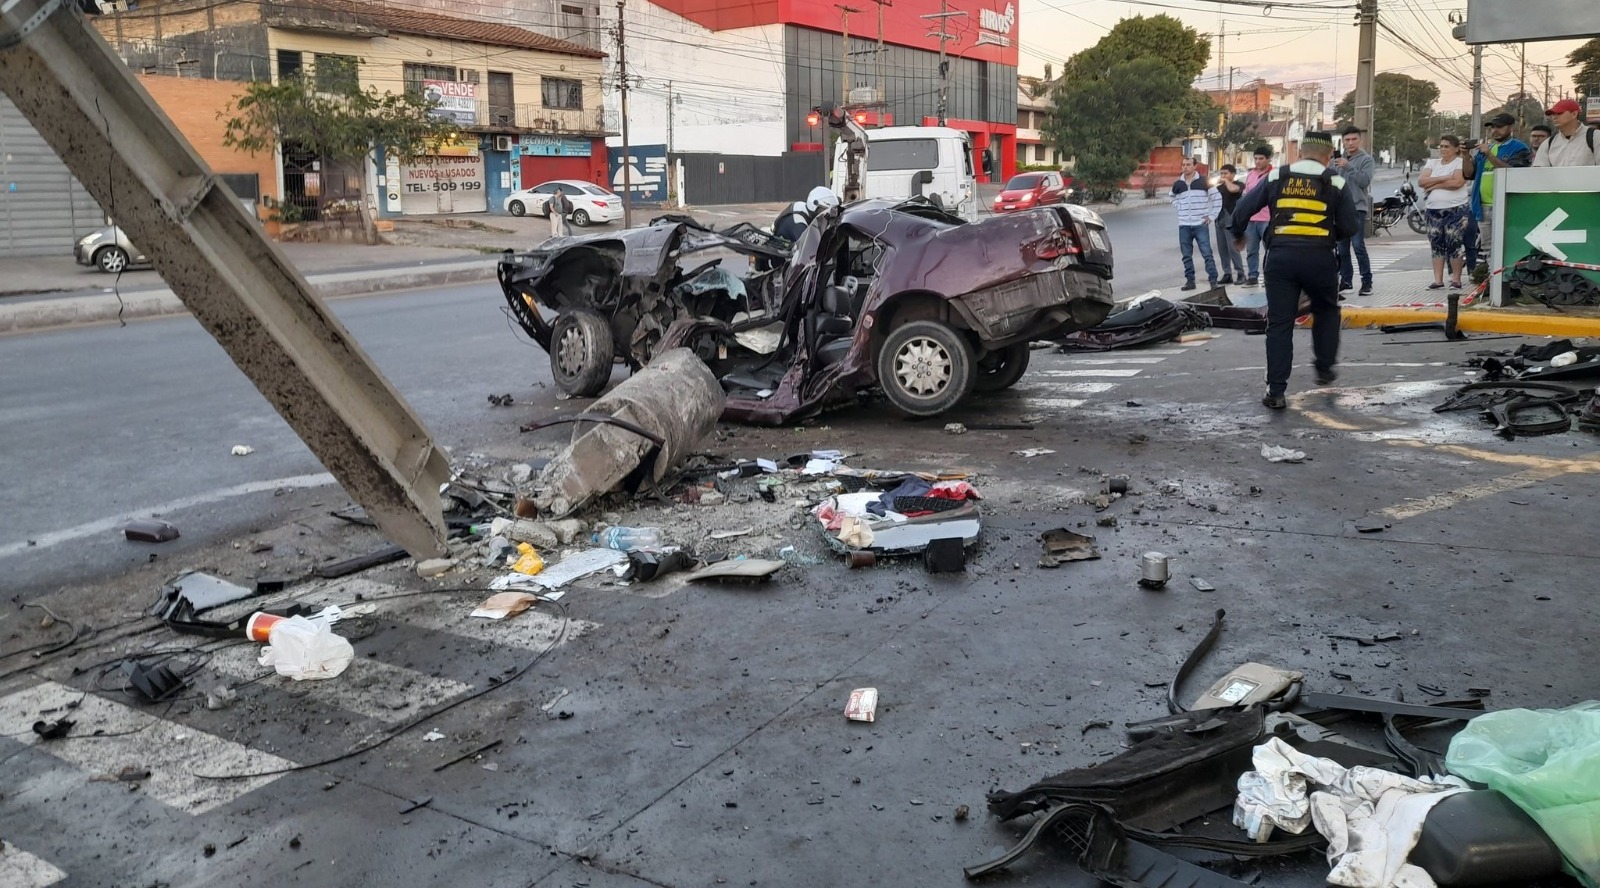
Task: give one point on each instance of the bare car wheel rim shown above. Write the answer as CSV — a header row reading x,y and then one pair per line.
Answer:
x,y
113,261
569,353
923,367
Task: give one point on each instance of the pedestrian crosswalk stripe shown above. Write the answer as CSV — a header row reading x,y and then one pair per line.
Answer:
x,y
110,736
19,869
1102,361
1069,388
370,686
533,630
1106,371
1058,403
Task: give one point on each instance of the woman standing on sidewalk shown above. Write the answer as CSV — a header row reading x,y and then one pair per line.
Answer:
x,y
1448,204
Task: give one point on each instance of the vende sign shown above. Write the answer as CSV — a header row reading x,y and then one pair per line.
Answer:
x,y
453,99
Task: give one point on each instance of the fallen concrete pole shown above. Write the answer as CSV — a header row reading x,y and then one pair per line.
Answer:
x,y
674,398
241,288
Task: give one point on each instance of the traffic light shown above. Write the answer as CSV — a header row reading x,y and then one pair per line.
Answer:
x,y
813,119
861,118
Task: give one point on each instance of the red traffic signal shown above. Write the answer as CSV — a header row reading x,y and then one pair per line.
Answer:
x,y
813,119
861,118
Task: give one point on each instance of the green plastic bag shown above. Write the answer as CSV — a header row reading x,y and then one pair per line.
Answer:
x,y
1548,762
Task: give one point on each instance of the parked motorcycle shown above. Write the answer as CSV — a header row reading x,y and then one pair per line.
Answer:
x,y
1403,204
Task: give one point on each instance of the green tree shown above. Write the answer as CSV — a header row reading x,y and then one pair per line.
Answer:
x,y
1402,108
1127,94
1242,131
342,127
1586,59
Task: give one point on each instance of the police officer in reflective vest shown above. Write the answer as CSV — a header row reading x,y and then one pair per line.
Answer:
x,y
1310,211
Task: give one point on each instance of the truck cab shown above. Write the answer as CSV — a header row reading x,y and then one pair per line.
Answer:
x,y
901,162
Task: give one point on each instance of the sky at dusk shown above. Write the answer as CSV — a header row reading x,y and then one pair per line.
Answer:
x,y
1306,45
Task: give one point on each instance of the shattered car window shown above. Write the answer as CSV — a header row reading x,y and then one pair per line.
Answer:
x,y
903,154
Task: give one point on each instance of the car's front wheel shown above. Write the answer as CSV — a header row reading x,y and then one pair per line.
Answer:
x,y
111,259
580,218
1003,368
926,367
581,352
518,208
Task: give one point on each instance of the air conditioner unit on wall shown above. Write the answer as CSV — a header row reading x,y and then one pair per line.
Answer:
x,y
502,143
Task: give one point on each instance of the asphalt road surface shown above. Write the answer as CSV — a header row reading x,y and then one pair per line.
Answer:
x,y
684,735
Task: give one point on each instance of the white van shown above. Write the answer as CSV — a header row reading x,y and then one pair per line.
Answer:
x,y
906,161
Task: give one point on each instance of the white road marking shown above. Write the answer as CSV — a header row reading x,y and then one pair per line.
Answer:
x,y
19,869
532,630
1069,388
1119,360
1058,403
171,752
1123,372
115,522
370,687
1424,505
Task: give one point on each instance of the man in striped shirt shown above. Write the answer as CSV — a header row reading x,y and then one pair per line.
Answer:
x,y
1198,205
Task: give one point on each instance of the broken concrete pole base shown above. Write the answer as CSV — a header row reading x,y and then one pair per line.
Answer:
x,y
675,397
434,566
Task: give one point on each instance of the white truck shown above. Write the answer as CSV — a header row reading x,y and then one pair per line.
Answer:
x,y
913,161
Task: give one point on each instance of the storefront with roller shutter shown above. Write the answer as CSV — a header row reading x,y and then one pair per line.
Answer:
x,y
43,209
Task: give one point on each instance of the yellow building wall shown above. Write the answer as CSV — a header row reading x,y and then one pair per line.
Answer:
x,y
383,62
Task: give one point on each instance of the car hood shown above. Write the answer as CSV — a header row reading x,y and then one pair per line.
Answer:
x,y
1015,195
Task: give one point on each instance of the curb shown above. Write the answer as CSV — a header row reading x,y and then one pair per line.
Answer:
x,y
1475,320
70,311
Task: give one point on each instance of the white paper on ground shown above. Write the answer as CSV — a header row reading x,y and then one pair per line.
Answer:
x,y
571,567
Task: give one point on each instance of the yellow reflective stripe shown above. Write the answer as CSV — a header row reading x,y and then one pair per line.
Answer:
x,y
1297,203
1308,218
1303,230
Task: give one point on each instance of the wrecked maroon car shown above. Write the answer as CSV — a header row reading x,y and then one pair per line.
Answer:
x,y
877,294
614,294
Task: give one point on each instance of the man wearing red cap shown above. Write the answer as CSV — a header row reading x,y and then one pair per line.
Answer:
x,y
1573,143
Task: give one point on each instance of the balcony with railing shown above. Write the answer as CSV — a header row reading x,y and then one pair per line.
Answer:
x,y
535,118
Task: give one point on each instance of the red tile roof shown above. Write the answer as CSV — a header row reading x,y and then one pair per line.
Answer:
x,y
411,20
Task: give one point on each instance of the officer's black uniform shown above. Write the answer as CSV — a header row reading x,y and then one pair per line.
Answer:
x,y
1311,211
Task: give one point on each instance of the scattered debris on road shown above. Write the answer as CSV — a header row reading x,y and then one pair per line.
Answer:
x,y
1062,545
149,530
243,450
863,705
1282,454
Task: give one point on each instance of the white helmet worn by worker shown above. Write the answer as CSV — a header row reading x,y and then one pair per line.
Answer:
x,y
820,198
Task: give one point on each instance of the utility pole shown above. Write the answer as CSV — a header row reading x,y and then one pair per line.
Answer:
x,y
622,84
844,52
1477,91
943,15
1366,67
1547,86
877,60
1522,90
670,102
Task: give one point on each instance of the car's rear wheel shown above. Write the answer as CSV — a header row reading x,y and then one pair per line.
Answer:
x,y
111,259
926,367
580,218
581,352
1003,368
518,208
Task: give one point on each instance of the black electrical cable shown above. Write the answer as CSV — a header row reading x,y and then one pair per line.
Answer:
x,y
365,748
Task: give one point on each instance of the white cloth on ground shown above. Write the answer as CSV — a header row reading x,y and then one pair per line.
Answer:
x,y
1370,817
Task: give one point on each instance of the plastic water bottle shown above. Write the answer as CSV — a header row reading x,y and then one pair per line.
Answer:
x,y
628,539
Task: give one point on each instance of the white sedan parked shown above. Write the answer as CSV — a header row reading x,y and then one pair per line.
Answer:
x,y
590,203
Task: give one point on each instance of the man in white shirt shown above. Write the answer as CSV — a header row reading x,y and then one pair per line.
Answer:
x,y
1198,206
1573,143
